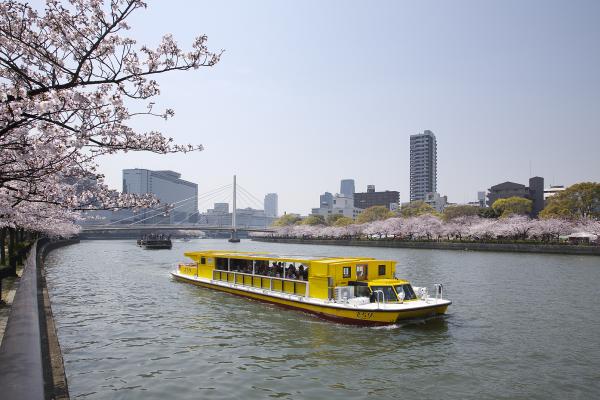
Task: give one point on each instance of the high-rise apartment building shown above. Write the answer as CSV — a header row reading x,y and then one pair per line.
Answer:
x,y
347,187
423,165
270,205
169,189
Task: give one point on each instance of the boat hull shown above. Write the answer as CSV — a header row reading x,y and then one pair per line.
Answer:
x,y
331,312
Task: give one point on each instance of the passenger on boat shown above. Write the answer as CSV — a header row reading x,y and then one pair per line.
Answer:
x,y
291,273
301,272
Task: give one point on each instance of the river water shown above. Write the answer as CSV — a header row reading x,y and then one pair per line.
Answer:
x,y
522,326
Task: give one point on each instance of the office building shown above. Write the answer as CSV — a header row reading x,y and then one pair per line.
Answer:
x,y
326,200
219,216
179,197
423,165
270,205
220,208
533,192
389,199
347,187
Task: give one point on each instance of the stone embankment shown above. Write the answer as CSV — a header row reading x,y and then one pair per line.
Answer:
x,y
501,247
31,364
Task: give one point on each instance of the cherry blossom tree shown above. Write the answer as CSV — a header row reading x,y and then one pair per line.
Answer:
x,y
64,76
484,229
513,227
589,225
431,227
550,229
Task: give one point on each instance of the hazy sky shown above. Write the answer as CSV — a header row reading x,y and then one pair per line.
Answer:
x,y
309,92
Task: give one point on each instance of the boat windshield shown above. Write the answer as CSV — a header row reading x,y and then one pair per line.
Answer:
x,y
388,293
409,293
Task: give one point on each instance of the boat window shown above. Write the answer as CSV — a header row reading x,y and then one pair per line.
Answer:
x,y
361,291
381,270
222,264
388,293
361,272
346,272
409,293
202,260
241,265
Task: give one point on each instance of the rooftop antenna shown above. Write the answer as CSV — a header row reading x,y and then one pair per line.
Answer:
x,y
530,169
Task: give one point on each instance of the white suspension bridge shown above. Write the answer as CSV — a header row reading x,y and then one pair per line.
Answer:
x,y
142,222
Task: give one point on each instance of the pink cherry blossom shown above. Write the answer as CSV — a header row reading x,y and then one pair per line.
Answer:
x,y
64,77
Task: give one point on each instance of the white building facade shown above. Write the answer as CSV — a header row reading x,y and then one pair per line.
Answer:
x,y
340,205
436,201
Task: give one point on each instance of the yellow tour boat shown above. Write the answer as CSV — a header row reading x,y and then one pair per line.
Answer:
x,y
357,290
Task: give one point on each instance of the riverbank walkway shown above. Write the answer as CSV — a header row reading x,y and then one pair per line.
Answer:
x,y
31,364
9,288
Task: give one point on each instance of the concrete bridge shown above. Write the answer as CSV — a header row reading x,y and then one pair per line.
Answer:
x,y
168,227
134,231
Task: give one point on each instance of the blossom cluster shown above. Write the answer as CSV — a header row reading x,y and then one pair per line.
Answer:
x,y
68,82
429,227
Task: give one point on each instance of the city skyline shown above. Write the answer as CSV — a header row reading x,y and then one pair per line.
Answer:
x,y
504,105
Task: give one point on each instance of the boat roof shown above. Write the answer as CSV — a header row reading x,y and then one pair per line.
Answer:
x,y
195,255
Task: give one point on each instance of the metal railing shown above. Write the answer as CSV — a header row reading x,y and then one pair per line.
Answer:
x,y
21,359
439,291
283,285
377,293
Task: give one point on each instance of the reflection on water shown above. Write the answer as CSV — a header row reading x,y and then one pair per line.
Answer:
x,y
128,330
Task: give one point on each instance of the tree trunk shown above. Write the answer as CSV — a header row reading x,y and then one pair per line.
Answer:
x,y
2,248
12,256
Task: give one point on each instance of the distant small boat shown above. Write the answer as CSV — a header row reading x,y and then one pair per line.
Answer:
x,y
155,242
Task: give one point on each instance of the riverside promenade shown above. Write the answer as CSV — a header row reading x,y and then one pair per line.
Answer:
x,y
465,246
9,288
31,364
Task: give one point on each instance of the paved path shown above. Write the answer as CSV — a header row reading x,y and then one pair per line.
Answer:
x,y
9,288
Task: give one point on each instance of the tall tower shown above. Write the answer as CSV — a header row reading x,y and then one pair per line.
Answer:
x,y
347,187
271,205
423,165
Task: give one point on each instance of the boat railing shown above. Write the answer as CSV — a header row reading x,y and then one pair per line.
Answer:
x,y
439,291
283,285
377,294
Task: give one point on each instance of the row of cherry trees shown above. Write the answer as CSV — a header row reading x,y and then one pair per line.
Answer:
x,y
429,227
70,86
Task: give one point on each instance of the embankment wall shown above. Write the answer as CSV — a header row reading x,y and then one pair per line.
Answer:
x,y
501,247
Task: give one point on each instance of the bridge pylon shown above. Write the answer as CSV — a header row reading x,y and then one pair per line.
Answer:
x,y
234,238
